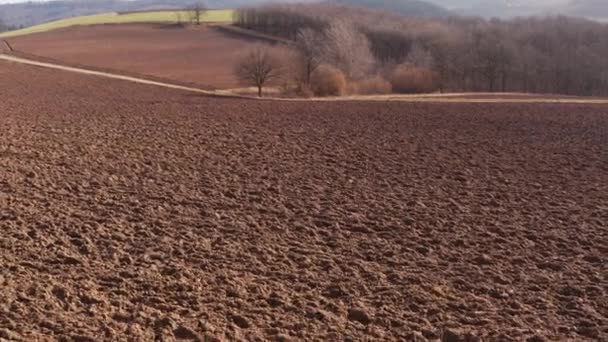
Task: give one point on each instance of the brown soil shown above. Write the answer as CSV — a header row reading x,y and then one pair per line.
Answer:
x,y
197,55
131,212
512,96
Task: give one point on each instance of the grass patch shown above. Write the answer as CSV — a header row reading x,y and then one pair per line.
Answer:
x,y
224,16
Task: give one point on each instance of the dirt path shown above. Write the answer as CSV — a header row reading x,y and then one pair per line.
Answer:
x,y
102,74
447,98
6,45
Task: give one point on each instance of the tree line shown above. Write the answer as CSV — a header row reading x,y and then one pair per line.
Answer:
x,y
558,55
4,27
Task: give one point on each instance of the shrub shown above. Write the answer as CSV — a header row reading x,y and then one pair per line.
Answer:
x,y
408,79
305,92
328,81
369,86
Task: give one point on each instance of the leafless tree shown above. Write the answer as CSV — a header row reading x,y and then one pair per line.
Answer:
x,y
420,56
544,55
258,67
178,18
196,12
493,56
308,48
347,49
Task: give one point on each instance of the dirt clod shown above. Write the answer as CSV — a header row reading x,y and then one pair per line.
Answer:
x,y
359,315
9,335
185,333
451,335
535,338
241,321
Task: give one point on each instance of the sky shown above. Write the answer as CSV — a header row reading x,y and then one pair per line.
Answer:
x,y
436,1
11,1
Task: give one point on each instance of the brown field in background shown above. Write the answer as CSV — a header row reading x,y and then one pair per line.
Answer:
x,y
135,211
204,56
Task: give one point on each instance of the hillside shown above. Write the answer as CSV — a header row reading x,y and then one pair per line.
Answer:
x,y
593,9
118,18
134,49
33,13
597,9
404,7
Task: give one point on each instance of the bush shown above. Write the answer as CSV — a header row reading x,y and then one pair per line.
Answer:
x,y
370,86
328,81
411,79
305,92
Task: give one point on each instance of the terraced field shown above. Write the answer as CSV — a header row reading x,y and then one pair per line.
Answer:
x,y
136,212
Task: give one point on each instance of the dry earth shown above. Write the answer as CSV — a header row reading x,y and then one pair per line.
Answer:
x,y
204,56
131,212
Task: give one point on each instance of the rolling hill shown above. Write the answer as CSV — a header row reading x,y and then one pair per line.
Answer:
x,y
116,18
597,9
404,7
592,9
33,13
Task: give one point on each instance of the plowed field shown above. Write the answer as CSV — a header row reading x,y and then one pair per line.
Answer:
x,y
130,212
204,56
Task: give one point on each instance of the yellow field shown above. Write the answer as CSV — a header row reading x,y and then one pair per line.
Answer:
x,y
115,18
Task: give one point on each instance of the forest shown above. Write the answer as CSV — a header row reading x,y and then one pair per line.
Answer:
x,y
553,54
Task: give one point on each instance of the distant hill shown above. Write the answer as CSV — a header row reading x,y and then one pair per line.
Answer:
x,y
404,7
33,13
593,9
597,9
37,12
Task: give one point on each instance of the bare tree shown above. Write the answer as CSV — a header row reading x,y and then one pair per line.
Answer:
x,y
196,12
487,49
420,56
178,18
257,67
542,55
308,47
348,49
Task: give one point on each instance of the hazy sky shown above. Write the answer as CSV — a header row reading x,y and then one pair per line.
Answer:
x,y
436,1
447,3
11,1
14,1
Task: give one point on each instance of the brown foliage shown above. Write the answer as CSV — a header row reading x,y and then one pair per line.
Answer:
x,y
540,55
328,81
305,92
411,79
370,86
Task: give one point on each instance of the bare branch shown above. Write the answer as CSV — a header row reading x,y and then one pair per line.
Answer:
x,y
258,67
196,12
